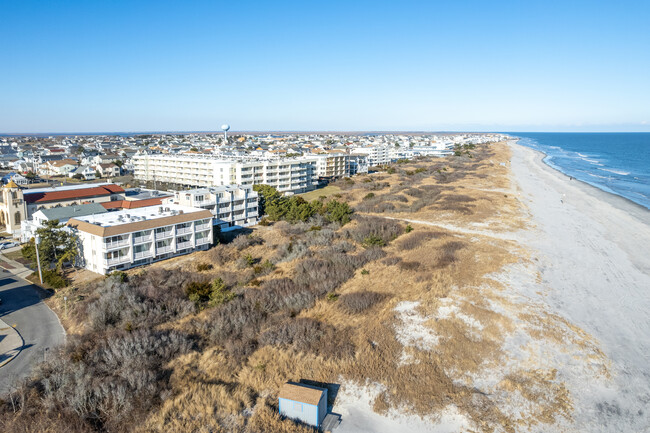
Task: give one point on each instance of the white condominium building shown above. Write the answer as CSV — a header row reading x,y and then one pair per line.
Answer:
x,y
134,237
291,175
332,165
377,155
232,206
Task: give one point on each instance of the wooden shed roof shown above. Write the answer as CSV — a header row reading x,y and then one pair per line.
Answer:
x,y
302,393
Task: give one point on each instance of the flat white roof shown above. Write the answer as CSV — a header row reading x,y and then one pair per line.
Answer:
x,y
65,187
148,213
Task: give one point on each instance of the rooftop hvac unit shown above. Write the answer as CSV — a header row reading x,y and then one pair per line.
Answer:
x,y
180,212
166,209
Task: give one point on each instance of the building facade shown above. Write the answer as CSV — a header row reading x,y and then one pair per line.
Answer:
x,y
290,175
377,155
332,165
125,239
232,206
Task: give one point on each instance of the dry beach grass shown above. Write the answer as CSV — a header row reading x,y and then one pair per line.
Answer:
x,y
427,313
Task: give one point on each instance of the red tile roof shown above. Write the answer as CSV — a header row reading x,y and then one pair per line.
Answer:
x,y
72,194
132,204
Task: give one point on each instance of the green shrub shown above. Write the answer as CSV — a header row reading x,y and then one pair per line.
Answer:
x,y
391,170
365,272
408,228
264,222
54,279
203,266
120,276
369,196
373,241
332,296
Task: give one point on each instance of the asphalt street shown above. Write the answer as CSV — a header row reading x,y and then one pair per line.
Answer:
x,y
23,308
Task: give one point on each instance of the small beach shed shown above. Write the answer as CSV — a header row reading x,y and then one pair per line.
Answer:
x,y
302,402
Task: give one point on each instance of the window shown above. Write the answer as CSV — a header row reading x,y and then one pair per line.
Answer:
x,y
17,217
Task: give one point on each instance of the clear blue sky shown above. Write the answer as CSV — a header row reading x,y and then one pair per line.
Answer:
x,y
91,66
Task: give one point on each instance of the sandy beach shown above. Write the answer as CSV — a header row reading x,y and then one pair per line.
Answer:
x,y
580,296
593,250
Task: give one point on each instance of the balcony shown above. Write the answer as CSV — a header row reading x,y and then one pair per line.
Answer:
x,y
184,245
202,241
117,261
201,227
142,255
206,203
142,239
164,235
183,230
116,244
165,249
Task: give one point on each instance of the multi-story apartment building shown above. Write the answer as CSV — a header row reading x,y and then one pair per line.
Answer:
x,y
332,165
290,175
358,164
134,237
377,155
232,206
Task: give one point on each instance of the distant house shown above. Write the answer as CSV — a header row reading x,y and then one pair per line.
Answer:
x,y
17,178
305,403
60,167
108,170
87,172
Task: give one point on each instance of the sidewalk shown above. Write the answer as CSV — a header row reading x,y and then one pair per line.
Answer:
x,y
14,267
11,343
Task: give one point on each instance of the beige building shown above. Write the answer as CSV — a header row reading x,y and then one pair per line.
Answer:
x,y
233,207
12,208
332,165
289,175
19,204
125,239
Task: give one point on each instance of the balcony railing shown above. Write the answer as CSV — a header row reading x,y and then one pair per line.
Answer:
x,y
116,244
183,245
164,235
142,255
202,241
142,239
165,249
180,231
117,261
201,227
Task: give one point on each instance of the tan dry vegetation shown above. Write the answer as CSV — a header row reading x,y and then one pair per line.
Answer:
x,y
429,319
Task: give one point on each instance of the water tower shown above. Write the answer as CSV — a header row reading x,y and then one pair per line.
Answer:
x,y
225,127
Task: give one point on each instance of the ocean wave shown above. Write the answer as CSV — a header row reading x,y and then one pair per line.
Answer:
x,y
598,176
621,172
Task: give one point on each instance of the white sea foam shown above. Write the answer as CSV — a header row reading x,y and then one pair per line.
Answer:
x,y
621,172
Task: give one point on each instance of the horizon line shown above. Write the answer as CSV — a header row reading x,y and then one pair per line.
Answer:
x,y
342,132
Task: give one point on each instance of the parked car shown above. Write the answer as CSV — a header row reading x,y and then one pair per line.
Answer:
x,y
6,245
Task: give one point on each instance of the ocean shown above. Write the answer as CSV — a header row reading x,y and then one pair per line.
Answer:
x,y
618,163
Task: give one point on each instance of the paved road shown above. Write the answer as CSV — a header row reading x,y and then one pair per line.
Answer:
x,y
37,324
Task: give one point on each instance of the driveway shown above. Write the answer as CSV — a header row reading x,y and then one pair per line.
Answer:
x,y
23,309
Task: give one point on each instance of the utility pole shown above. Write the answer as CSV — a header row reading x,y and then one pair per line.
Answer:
x,y
38,259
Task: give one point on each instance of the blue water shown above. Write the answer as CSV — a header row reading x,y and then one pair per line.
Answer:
x,y
618,163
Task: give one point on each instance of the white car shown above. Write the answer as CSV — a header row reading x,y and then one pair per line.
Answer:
x,y
6,245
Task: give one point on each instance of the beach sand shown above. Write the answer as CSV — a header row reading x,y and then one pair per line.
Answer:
x,y
585,286
593,250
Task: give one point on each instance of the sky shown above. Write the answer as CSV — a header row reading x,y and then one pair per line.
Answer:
x,y
133,66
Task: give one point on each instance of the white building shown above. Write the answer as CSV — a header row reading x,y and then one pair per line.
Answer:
x,y
332,165
134,237
233,207
377,155
291,175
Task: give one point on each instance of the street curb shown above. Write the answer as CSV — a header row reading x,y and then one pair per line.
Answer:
x,y
13,352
